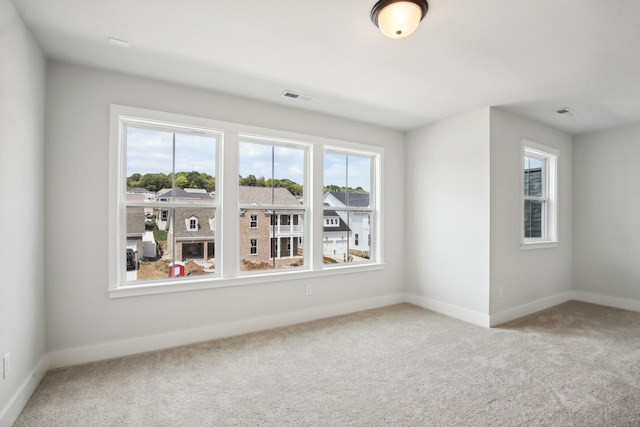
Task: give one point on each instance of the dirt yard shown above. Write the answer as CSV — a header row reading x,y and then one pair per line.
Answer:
x,y
150,270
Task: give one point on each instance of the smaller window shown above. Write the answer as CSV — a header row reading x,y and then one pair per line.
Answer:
x,y
164,214
356,240
539,189
331,222
192,224
254,221
253,247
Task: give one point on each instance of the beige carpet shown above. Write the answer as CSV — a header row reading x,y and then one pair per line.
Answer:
x,y
575,364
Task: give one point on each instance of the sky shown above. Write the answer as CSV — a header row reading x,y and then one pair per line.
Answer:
x,y
150,151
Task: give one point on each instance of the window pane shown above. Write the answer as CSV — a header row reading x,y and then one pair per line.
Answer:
x,y
150,164
348,179
189,234
348,239
272,168
533,169
534,220
149,159
195,157
276,242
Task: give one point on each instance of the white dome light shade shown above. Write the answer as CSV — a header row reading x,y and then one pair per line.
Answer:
x,y
397,19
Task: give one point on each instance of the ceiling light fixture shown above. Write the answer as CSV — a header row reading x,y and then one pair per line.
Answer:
x,y
398,18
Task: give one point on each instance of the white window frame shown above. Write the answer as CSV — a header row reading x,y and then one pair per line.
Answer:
x,y
374,209
253,223
227,221
253,246
549,157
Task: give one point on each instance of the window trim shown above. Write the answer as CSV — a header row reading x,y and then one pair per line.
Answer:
x,y
227,219
550,194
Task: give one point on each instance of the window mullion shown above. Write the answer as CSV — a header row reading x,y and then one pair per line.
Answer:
x,y
316,212
229,216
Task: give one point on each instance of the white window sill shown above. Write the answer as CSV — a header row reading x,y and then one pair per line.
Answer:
x,y
546,244
181,285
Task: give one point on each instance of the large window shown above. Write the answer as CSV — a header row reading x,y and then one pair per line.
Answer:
x,y
289,204
539,185
271,187
168,191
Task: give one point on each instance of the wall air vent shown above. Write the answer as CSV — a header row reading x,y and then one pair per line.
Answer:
x,y
293,95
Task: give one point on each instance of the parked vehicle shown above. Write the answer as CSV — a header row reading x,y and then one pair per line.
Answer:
x,y
132,260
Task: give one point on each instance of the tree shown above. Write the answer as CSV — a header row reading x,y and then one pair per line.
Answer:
x,y
155,181
249,180
181,180
339,189
133,181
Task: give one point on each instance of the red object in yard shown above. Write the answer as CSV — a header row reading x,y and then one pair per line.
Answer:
x,y
177,270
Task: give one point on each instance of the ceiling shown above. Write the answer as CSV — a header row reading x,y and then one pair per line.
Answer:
x,y
529,57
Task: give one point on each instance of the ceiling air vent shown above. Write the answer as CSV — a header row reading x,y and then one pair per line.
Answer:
x,y
564,112
293,95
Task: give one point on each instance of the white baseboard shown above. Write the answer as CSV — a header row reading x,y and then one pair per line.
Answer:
x,y
128,347
625,304
450,310
12,410
529,308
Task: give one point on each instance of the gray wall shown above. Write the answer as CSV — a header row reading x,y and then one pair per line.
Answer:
x,y
532,279
79,312
22,311
463,219
447,227
606,224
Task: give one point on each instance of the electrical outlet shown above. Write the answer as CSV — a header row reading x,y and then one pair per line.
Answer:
x,y
501,292
309,290
6,365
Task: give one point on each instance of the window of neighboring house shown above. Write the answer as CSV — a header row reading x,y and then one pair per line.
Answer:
x,y
350,182
192,224
539,184
272,176
331,222
176,159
